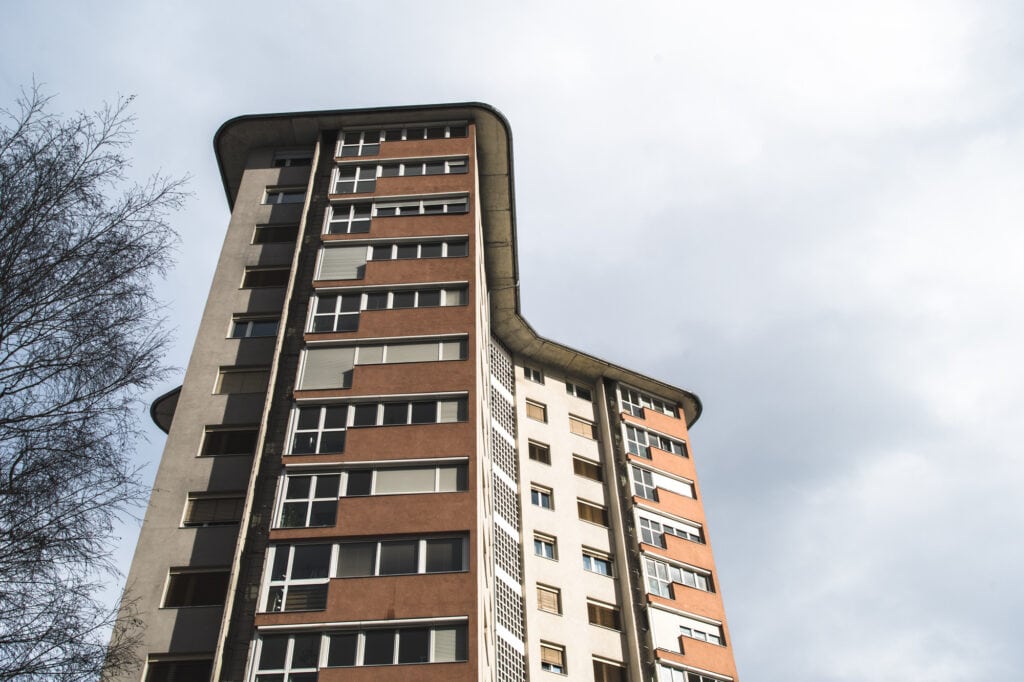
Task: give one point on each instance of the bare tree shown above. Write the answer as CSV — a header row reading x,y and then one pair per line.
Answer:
x,y
80,338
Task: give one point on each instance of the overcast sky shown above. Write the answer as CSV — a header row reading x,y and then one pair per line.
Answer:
x,y
809,213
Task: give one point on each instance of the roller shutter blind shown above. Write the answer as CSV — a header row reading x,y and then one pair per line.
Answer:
x,y
326,368
348,262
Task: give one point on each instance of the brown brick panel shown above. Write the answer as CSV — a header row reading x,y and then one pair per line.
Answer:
x,y
375,324
411,226
692,553
692,600
402,271
432,672
410,442
679,505
667,462
378,515
705,655
383,598
670,426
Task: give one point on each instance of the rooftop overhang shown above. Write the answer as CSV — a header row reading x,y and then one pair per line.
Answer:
x,y
238,136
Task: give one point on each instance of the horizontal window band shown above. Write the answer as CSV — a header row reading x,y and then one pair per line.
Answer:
x,y
360,624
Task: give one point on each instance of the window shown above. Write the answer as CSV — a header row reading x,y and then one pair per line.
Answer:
x,y
661,575
578,391
638,441
643,484
349,218
359,143
705,632
251,327
173,669
281,656
549,599
320,429
634,401
646,483
298,577
427,206
552,658
591,512
604,615
242,380
534,375
545,546
354,179
587,469
581,427
341,263
228,441
288,656
212,509
536,411
333,367
539,452
597,562
404,480
310,500
406,556
367,142
340,312
272,234
606,671
294,158
452,248
653,532
666,674
285,195
257,278
192,587
541,497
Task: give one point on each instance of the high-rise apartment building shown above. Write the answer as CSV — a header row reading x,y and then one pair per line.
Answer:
x,y
377,470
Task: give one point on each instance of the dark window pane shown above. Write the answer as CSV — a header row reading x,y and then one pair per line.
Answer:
x,y
435,132
356,559
396,413
350,303
424,413
272,652
263,328
298,487
323,323
379,647
458,249
432,250
348,323
434,168
407,250
352,138
304,443
414,645
366,415
377,301
280,568
311,561
309,417
326,304
327,486
293,515
323,513
414,133
359,482
413,169
404,299
341,650
302,677
306,598
444,555
389,171
385,212
457,131
432,208
305,651
398,557
393,135
332,441
430,298
381,252
335,416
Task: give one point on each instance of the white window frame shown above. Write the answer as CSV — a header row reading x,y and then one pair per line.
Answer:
x,y
542,497
660,575
633,401
285,584
593,558
310,499
451,295
685,530
278,196
545,546
639,441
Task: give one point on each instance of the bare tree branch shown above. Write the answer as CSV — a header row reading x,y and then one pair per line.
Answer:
x,y
80,338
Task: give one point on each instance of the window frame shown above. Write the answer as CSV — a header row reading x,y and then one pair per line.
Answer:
x,y
200,496
212,429
578,391
248,326
600,610
555,652
283,195
274,229
542,497
543,411
586,509
545,546
542,450
579,462
585,428
253,272
533,374
178,572
594,558
554,594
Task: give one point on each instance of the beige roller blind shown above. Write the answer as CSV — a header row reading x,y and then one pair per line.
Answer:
x,y
448,479
326,367
453,350
419,480
448,411
547,599
445,645
581,427
347,262
551,655
370,355
412,352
